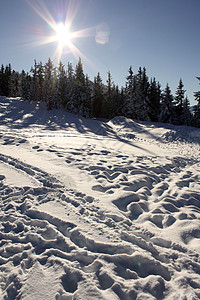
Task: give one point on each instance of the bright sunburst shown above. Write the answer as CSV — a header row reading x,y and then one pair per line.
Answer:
x,y
61,31
63,35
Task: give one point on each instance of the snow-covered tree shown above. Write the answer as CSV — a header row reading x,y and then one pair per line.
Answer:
x,y
49,84
14,84
24,86
37,82
87,108
70,86
117,101
1,79
136,95
154,98
141,95
97,97
61,85
79,74
179,98
77,96
107,109
187,116
130,93
197,107
5,75
167,107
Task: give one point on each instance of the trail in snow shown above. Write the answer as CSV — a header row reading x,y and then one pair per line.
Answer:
x,y
111,217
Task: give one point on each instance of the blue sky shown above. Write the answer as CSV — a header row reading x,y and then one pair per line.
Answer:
x,y
163,36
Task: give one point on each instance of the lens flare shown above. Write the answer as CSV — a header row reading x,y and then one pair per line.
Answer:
x,y
63,35
61,32
102,34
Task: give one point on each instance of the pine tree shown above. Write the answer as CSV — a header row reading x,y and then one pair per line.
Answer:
x,y
37,82
154,98
136,95
40,74
87,109
141,95
108,97
25,81
5,79
77,99
79,75
8,73
61,85
1,79
121,102
179,98
117,101
14,84
34,83
49,83
197,107
70,86
167,107
187,116
128,108
55,102
97,97
130,84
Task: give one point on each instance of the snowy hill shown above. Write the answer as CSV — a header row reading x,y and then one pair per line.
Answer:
x,y
96,210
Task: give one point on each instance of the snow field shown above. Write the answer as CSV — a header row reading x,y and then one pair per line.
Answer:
x,y
108,216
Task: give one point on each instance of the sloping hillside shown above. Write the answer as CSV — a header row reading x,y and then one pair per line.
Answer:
x,y
96,210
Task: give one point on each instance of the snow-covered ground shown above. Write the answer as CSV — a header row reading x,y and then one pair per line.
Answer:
x,y
94,210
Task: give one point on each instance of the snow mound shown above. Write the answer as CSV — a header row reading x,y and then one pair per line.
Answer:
x,y
183,134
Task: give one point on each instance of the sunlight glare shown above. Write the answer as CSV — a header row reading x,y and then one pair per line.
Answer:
x,y
63,35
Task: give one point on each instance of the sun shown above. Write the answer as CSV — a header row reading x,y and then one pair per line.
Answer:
x,y
63,35
60,33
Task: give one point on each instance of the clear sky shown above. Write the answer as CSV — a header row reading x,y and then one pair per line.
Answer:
x,y
109,35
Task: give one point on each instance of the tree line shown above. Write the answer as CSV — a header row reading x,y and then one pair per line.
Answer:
x,y
140,99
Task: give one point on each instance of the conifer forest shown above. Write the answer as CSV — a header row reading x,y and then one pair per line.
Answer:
x,y
69,88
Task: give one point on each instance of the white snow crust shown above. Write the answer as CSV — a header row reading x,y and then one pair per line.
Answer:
x,y
97,210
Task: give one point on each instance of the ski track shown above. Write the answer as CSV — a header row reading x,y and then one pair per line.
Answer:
x,y
115,244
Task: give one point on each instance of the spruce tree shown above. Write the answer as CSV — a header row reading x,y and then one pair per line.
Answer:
x,y
97,97
128,108
1,79
117,101
25,85
107,106
197,107
79,74
14,84
34,83
141,95
154,98
40,74
37,82
87,109
187,116
49,84
179,98
167,107
121,100
70,86
61,85
79,97
5,79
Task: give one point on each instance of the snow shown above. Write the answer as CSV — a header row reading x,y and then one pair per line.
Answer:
x,y
96,210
